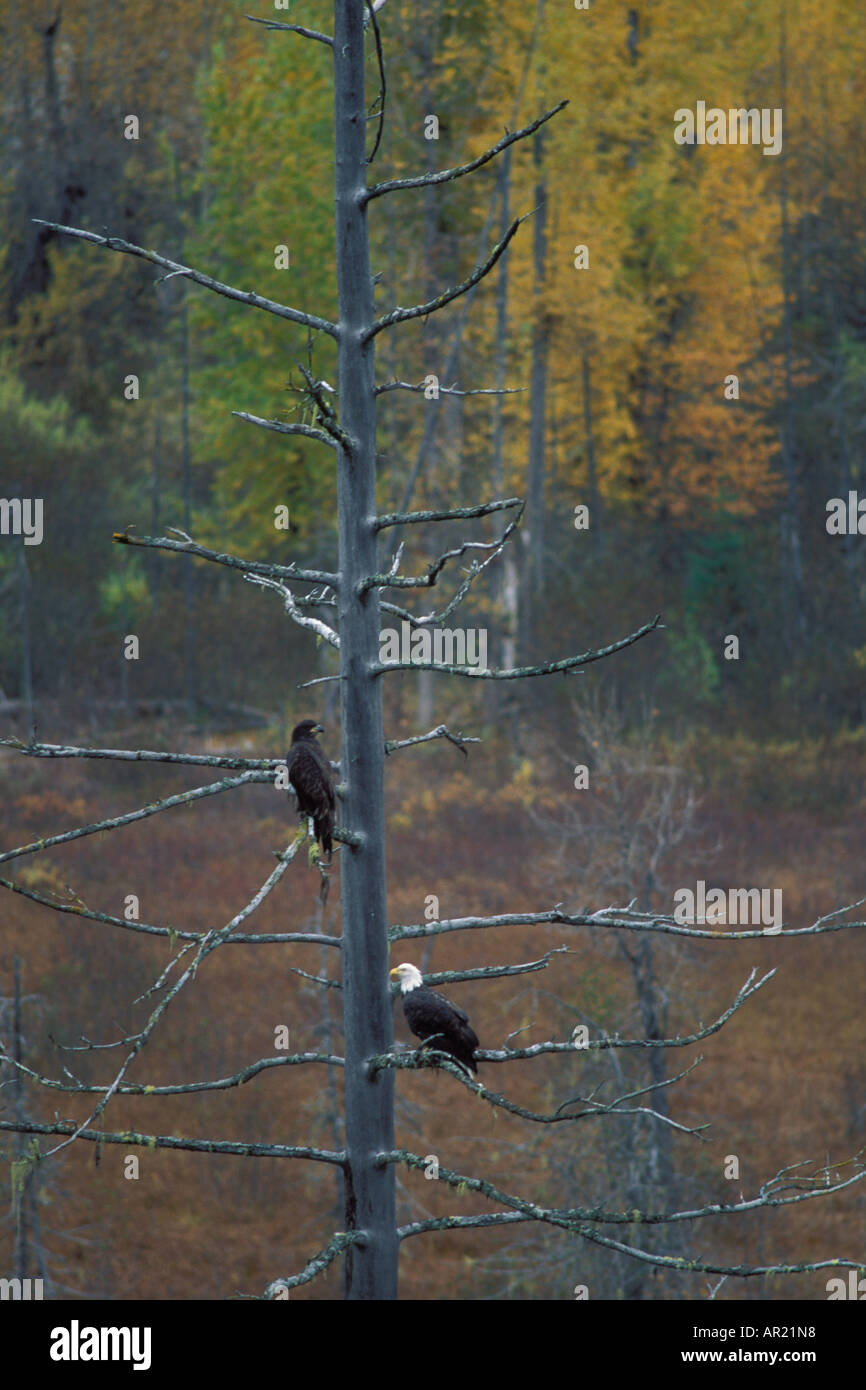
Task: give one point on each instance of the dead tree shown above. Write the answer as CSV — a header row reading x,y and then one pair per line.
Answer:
x,y
353,596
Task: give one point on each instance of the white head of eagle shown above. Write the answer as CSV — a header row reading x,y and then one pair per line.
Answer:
x,y
410,977
434,1019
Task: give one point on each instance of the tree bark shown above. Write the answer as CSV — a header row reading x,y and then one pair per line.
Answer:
x,y
538,398
191,658
25,633
371,1266
596,532
505,576
155,505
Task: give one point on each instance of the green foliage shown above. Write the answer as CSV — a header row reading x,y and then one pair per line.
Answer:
x,y
55,457
694,665
35,431
685,285
123,591
267,180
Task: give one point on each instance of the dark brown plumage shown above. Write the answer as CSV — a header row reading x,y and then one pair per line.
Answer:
x,y
310,776
434,1019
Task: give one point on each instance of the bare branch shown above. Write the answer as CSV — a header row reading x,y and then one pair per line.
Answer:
x,y
392,580
609,1107
326,415
171,1141
475,569
581,1221
227,761
437,616
450,514
312,624
606,1044
419,311
425,180
430,1057
383,90
624,921
319,680
76,907
209,943
450,390
629,920
292,28
257,301
441,731
340,1242
280,427
395,563
141,755
450,367
519,672
315,979
181,799
189,547
184,1088
688,1266
450,1223
492,972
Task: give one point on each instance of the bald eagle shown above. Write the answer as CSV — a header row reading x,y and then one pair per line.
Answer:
x,y
310,776
434,1019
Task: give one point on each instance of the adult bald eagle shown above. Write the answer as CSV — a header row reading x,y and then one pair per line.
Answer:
x,y
434,1019
310,776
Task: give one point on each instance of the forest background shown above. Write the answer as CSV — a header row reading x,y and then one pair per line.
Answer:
x,y
702,262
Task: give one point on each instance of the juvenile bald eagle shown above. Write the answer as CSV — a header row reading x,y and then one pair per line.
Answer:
x,y
434,1019
310,776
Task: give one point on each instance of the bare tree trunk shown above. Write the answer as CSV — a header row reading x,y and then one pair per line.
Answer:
x,y
24,629
433,337
505,575
596,530
791,525
26,651
371,1266
20,1255
29,1253
534,580
155,500
54,111
333,1115
190,662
